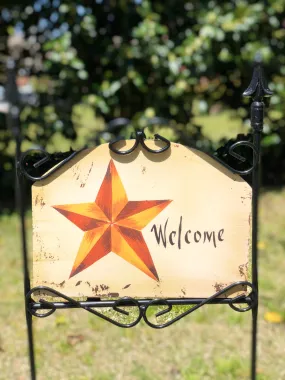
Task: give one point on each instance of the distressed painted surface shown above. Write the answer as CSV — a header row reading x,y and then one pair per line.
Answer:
x,y
175,224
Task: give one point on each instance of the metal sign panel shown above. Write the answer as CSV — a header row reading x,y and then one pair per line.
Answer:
x,y
175,224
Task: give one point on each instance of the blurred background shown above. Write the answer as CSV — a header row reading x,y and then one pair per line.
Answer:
x,y
83,63
80,64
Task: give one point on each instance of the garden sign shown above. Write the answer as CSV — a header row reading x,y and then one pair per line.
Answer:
x,y
177,224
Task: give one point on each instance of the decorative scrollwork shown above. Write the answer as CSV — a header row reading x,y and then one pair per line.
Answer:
x,y
46,157
139,136
199,305
116,306
231,150
139,139
243,159
141,306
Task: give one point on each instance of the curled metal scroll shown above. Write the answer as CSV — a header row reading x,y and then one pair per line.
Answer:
x,y
141,308
204,302
116,307
46,158
233,153
139,139
139,136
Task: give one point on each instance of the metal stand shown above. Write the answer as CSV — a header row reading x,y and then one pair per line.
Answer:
x,y
257,90
13,124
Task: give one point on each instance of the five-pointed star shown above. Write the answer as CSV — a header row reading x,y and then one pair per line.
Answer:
x,y
113,224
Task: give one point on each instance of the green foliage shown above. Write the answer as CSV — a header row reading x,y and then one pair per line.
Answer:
x,y
139,59
122,58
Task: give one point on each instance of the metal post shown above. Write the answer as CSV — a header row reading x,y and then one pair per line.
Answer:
x,y
13,124
257,89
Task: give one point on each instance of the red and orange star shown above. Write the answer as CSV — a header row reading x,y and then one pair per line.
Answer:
x,y
113,224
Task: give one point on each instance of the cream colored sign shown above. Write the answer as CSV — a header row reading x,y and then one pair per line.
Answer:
x,y
176,224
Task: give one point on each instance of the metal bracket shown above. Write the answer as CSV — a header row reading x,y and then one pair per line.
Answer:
x,y
141,305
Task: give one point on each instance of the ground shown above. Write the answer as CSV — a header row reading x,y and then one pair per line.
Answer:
x,y
211,343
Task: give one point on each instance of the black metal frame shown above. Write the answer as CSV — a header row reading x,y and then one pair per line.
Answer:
x,y
257,90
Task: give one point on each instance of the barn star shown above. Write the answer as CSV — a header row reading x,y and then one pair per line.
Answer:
x,y
113,224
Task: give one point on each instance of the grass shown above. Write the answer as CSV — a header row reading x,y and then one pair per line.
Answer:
x,y
212,343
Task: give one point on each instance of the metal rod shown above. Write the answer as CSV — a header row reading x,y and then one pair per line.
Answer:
x,y
21,209
257,89
143,302
13,124
255,197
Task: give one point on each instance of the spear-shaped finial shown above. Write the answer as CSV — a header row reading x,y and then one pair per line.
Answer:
x,y
258,87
